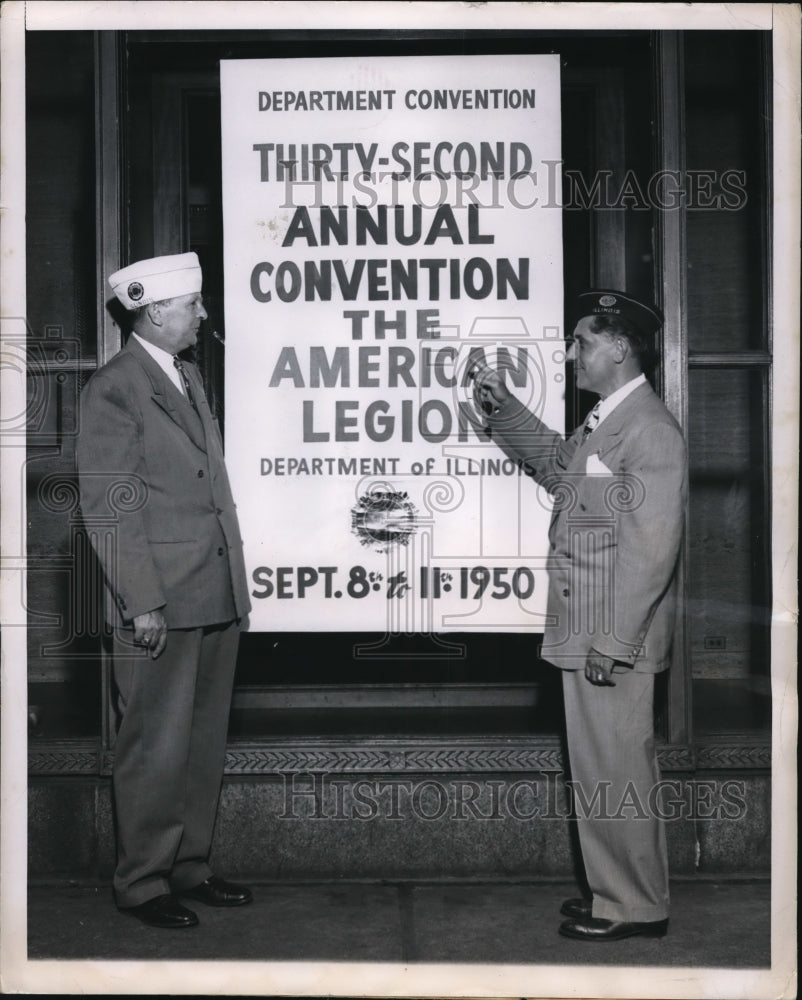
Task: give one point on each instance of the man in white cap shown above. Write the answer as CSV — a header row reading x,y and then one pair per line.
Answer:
x,y
178,590
619,484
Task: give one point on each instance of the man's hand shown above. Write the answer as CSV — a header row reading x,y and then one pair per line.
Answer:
x,y
150,630
599,669
489,390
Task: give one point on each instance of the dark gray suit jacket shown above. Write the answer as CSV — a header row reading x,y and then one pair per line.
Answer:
x,y
177,540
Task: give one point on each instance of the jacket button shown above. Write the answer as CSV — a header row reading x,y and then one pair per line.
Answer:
x,y
218,510
200,473
566,592
221,551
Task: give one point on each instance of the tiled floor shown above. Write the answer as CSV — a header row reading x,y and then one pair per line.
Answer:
x,y
722,924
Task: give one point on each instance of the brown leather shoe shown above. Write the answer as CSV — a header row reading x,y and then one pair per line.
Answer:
x,y
577,909
217,892
163,911
596,929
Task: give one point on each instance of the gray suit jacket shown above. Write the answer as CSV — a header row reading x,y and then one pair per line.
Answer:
x,y
177,543
619,505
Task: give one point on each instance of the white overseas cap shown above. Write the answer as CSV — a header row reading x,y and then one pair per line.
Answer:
x,y
156,279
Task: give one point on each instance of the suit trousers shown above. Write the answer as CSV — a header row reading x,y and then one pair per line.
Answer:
x,y
169,758
615,781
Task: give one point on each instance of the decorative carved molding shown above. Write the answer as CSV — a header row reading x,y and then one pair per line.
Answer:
x,y
714,757
478,758
676,758
62,759
408,759
261,760
465,756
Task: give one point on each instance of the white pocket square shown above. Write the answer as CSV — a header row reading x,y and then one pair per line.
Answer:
x,y
595,467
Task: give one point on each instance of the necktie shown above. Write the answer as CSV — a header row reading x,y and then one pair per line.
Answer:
x,y
185,381
592,421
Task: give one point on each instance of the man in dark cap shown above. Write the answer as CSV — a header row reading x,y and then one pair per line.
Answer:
x,y
619,485
178,590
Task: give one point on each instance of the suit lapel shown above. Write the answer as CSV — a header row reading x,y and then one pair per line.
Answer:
x,y
167,397
611,428
210,428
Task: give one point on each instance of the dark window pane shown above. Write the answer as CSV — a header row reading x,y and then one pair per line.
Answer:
x,y
725,132
60,211
63,578
729,533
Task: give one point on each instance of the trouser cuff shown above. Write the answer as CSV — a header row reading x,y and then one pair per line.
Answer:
x,y
141,893
188,876
635,914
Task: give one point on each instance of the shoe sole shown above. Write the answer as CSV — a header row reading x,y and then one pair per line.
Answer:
x,y
647,932
209,902
165,926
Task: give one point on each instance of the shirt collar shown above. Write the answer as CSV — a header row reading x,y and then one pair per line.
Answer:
x,y
163,359
608,404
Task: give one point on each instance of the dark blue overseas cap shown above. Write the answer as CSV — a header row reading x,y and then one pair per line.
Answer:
x,y
606,302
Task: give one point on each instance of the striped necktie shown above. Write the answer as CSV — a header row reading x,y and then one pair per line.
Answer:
x,y
592,421
185,381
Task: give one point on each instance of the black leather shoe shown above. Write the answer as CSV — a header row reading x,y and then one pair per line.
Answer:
x,y
596,929
217,892
577,909
163,911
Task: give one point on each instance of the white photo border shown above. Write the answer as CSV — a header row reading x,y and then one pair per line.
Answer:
x,y
17,974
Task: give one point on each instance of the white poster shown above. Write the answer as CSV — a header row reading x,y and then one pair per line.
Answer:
x,y
388,223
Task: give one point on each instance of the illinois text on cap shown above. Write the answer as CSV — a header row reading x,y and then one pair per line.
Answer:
x,y
604,302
